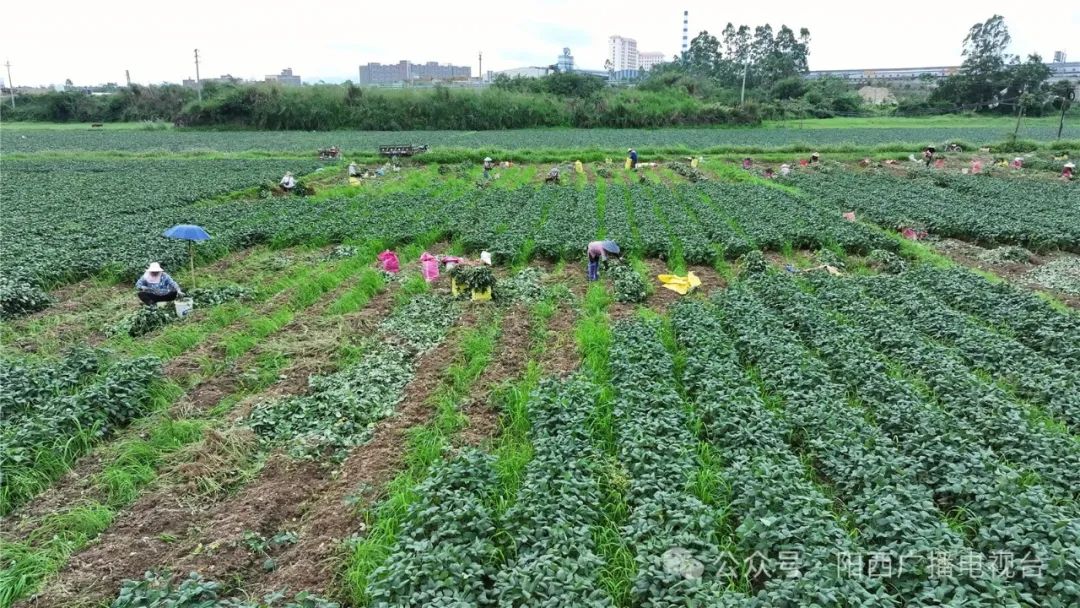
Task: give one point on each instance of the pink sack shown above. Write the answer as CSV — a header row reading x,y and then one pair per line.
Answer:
x,y
976,167
939,163
451,261
429,267
389,261
850,216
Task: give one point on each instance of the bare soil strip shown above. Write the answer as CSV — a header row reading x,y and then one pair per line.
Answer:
x,y
77,485
167,529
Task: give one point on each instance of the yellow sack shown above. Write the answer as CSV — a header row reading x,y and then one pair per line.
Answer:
x,y
481,296
454,291
680,285
354,181
694,162
578,167
627,164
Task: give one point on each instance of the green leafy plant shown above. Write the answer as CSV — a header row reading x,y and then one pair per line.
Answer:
x,y
475,278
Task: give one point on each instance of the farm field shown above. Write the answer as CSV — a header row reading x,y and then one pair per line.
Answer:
x,y
838,416
28,139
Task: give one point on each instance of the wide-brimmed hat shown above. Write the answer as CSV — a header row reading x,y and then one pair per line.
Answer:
x,y
487,159
815,154
1070,165
154,267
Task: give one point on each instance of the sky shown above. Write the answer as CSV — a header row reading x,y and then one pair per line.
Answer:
x,y
94,42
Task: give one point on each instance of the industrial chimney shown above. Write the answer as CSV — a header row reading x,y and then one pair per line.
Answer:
x,y
685,29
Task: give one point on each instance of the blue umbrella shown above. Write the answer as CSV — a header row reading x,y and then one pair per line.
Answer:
x,y
190,233
610,247
187,232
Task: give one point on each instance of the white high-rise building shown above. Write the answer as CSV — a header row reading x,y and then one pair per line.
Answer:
x,y
623,53
646,60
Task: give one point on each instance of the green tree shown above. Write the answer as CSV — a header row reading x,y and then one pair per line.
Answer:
x,y
703,57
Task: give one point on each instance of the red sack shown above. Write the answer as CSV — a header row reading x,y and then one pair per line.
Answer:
x,y
850,216
429,267
389,261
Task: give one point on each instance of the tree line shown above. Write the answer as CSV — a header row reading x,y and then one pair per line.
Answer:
x,y
740,77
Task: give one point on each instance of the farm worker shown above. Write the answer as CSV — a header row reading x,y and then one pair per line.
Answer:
x,y
552,176
747,163
769,173
354,171
1018,163
632,155
976,167
928,155
288,182
488,166
599,250
785,169
155,285
1067,171
814,158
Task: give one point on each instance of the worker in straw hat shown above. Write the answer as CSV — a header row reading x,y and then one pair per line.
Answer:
x,y
1067,171
155,285
288,182
488,166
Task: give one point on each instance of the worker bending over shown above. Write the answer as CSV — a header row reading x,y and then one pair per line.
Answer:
x,y
597,251
928,155
632,155
1067,172
552,176
354,171
155,285
488,166
288,182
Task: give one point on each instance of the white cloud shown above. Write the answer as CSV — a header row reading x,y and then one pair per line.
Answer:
x,y
95,42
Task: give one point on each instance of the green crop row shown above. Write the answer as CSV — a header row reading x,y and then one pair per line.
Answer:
x,y
613,140
999,511
1040,215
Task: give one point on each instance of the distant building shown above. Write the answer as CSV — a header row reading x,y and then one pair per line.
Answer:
x,y
1058,71
525,72
224,78
286,78
622,53
1059,57
565,63
646,60
406,71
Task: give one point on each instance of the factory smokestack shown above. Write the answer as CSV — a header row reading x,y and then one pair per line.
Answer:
x,y
685,29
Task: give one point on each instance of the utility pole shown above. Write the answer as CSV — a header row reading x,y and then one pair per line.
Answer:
x,y
742,95
1020,111
198,81
1065,102
481,74
11,87
127,76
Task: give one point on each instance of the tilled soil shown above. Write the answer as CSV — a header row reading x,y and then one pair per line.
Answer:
x,y
292,495
77,484
1017,273
332,515
509,359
